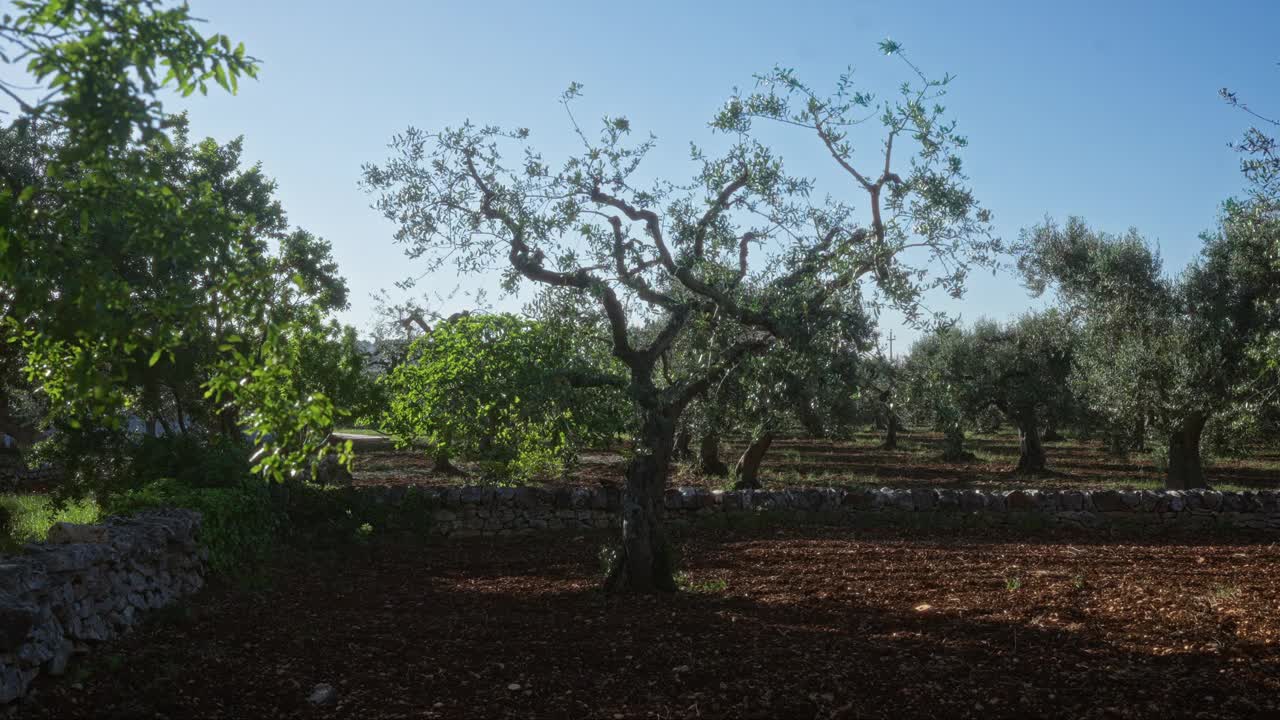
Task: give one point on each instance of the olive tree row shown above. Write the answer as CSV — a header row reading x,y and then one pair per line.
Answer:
x,y
1019,369
1173,351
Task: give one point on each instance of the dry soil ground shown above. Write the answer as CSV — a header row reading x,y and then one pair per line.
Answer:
x,y
798,623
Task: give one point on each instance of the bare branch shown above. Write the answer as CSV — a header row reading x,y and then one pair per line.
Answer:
x,y
650,219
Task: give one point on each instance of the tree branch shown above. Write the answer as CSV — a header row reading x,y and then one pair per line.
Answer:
x,y
530,265
721,203
682,394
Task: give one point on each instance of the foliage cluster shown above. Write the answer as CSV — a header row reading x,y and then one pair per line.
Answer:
x,y
499,389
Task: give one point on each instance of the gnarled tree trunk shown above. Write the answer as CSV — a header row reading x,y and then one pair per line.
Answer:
x,y
644,562
1115,444
748,467
887,420
684,439
709,461
891,432
1185,468
1031,458
1051,433
441,463
177,407
953,446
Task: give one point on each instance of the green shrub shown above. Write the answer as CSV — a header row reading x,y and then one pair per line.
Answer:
x,y
496,389
240,524
326,515
319,514
192,461
102,462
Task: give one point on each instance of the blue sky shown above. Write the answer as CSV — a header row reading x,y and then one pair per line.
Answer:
x,y
1107,110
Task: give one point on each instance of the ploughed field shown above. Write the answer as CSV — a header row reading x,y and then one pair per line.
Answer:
x,y
804,623
1073,464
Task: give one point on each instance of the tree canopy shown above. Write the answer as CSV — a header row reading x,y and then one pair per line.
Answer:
x,y
499,389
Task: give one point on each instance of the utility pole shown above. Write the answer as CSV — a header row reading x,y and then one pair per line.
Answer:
x,y
891,423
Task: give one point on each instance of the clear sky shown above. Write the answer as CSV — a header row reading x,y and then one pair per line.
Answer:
x,y
1107,110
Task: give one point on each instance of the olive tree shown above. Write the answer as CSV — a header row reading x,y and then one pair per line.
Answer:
x,y
1021,369
932,391
1260,164
881,396
813,383
745,240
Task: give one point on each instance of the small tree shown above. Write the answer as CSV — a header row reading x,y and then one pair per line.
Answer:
x,y
88,244
932,391
586,227
203,279
1022,370
497,388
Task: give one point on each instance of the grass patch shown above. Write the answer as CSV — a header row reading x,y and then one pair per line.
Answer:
x,y
712,586
1225,592
31,516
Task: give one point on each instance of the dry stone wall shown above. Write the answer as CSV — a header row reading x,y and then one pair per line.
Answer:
x,y
496,511
15,475
89,583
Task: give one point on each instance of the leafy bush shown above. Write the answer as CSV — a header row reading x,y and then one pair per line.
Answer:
x,y
240,522
190,460
315,514
332,515
100,462
501,390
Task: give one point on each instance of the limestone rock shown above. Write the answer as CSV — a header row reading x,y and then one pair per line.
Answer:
x,y
323,694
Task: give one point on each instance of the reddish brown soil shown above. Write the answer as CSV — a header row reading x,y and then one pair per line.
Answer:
x,y
798,461
815,623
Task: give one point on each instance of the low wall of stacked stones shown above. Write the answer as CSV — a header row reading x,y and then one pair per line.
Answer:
x,y
88,583
497,511
16,476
